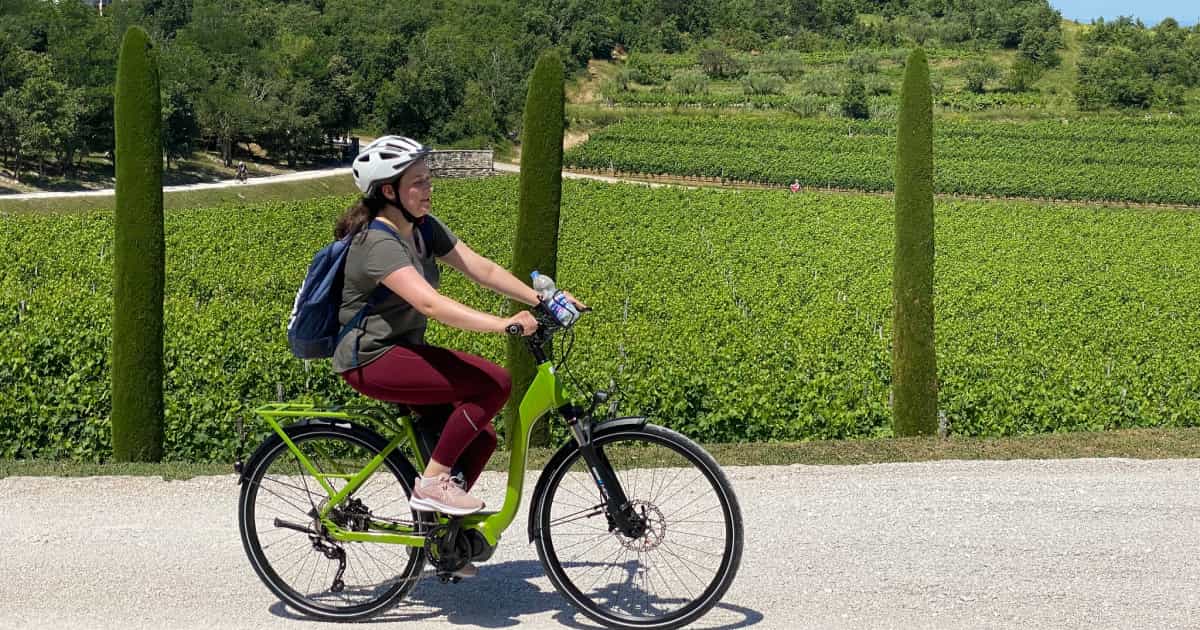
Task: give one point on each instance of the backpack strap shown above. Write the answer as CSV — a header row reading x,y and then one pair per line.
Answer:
x,y
376,224
425,228
378,295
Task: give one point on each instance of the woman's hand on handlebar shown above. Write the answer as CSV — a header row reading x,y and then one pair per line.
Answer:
x,y
522,323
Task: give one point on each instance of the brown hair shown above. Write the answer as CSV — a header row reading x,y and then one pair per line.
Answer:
x,y
357,216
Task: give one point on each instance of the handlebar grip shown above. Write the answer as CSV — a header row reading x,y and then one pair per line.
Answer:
x,y
515,330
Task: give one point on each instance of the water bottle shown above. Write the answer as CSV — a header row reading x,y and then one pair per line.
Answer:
x,y
556,301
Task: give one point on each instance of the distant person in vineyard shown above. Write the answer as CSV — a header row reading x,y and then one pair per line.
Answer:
x,y
795,187
396,244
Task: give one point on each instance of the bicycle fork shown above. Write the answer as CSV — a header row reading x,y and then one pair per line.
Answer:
x,y
618,508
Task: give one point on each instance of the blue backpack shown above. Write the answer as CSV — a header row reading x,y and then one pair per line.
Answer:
x,y
313,331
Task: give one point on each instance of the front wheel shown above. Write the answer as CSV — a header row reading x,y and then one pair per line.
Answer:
x,y
685,559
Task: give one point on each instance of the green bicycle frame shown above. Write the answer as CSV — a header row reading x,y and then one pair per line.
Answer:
x,y
544,394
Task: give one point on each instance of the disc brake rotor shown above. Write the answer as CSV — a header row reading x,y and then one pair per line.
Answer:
x,y
655,528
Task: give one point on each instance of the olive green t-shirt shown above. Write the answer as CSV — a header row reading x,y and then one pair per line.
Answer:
x,y
391,321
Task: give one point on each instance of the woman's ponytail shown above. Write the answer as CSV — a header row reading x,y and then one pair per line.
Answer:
x,y
358,216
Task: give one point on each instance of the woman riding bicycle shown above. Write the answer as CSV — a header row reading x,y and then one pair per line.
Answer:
x,y
396,241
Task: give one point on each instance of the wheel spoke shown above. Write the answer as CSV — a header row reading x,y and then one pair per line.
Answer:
x,y
679,579
655,576
603,574
689,516
690,486
580,555
374,573
654,497
695,535
299,508
581,497
584,513
667,547
582,542
689,569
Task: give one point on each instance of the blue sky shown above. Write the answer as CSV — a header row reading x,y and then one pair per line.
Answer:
x,y
1150,11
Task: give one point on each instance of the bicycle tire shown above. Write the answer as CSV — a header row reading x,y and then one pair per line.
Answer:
x,y
249,520
595,605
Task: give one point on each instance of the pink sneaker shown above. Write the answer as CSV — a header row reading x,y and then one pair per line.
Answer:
x,y
443,494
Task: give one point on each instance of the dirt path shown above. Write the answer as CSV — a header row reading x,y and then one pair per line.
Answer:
x,y
651,180
585,90
252,181
1089,543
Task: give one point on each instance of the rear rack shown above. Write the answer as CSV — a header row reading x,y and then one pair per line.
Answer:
x,y
277,411
308,410
274,413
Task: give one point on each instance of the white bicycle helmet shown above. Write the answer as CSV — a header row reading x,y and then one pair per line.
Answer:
x,y
384,160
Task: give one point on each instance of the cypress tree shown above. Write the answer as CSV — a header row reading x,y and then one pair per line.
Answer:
x,y
536,242
914,362
138,256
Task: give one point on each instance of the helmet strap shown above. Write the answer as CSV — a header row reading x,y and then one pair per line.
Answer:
x,y
410,218
417,222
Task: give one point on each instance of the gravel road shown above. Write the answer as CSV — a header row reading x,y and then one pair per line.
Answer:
x,y
501,167
227,183
1094,543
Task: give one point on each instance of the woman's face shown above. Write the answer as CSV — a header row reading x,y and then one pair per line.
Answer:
x,y
415,186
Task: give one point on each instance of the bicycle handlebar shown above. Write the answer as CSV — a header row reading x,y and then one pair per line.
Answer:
x,y
546,321
548,324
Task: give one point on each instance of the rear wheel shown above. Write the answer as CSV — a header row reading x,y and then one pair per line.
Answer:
x,y
678,568
290,548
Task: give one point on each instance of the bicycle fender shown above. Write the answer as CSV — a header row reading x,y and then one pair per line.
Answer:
x,y
607,426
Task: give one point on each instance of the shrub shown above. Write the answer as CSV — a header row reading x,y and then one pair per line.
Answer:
x,y
806,105
789,67
863,62
690,82
823,84
877,85
643,72
717,63
1113,77
978,73
763,84
854,100
1022,75
623,78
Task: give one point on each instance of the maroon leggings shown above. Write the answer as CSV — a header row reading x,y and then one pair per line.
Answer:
x,y
426,378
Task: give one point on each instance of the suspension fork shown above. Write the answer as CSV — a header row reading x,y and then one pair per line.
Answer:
x,y
620,512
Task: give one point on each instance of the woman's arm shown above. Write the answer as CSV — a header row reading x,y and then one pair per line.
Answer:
x,y
488,274
412,287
